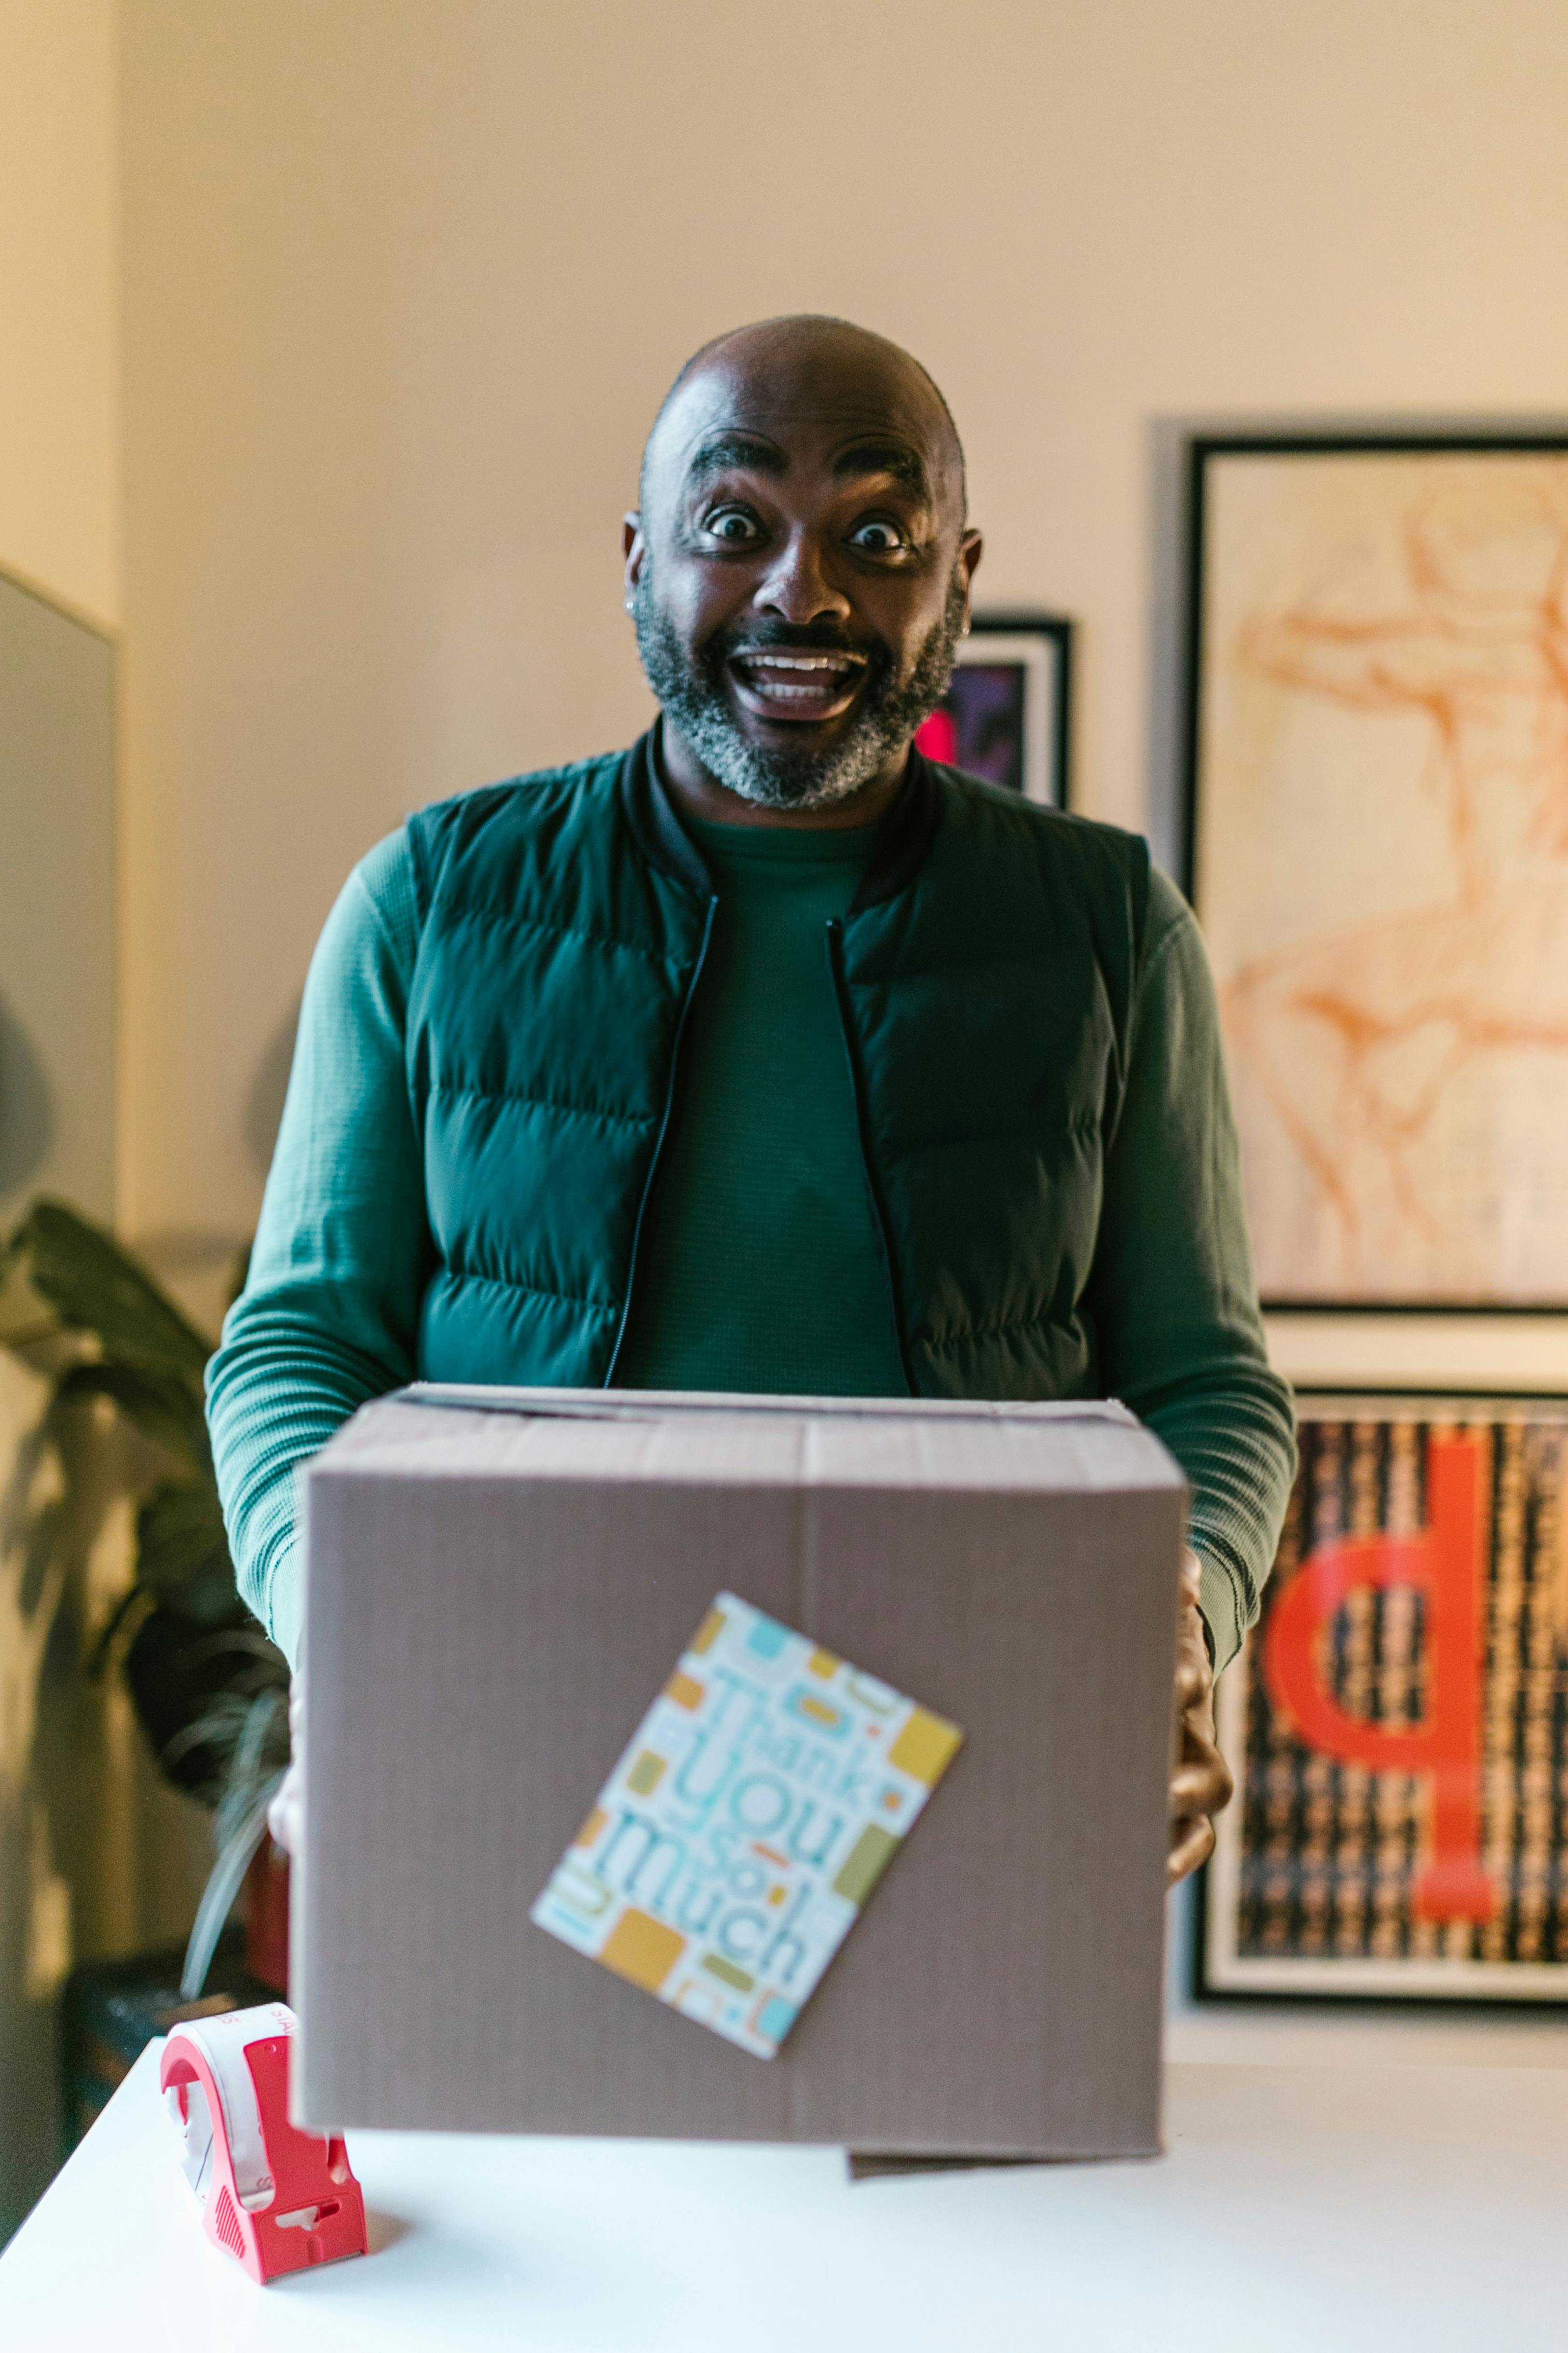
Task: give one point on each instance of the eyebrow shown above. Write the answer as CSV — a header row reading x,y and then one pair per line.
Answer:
x,y
895,458
722,451
734,447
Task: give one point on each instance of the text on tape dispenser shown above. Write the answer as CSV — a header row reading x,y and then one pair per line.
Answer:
x,y
277,2199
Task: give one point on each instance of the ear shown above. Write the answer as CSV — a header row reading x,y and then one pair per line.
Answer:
x,y
633,548
971,548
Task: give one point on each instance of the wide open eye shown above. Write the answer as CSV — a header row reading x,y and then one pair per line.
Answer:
x,y
732,526
875,536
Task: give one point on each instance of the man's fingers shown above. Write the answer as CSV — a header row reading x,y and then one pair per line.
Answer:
x,y
1192,1683
1201,1786
1192,1842
283,1813
1201,1783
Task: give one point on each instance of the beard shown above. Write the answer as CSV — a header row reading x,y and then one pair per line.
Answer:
x,y
693,689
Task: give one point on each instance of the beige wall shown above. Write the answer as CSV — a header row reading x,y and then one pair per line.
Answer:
x,y
59,371
404,281
94,1857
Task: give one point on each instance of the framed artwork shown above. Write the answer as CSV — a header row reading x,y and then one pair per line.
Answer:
x,y
1007,714
1397,1722
1378,853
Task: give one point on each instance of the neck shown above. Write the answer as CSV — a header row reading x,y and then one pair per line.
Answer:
x,y
697,793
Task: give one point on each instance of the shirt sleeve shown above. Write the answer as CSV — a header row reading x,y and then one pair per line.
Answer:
x,y
1172,1290
329,1316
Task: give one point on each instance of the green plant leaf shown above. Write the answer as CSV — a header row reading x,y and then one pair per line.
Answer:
x,y
24,1318
256,1759
194,1688
182,1554
119,1629
162,1406
94,1285
209,1690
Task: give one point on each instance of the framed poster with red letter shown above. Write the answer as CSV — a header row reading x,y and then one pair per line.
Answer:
x,y
1397,1721
1008,712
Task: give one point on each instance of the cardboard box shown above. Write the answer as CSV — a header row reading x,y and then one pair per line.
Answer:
x,y
500,1583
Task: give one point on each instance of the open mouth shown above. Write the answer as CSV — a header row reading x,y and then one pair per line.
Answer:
x,y
779,683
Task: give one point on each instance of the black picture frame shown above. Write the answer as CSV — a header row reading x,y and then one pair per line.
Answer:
x,y
1206,454
1007,715
1261,1866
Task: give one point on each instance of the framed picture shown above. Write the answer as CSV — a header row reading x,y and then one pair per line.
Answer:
x,y
1007,714
1397,1722
1378,853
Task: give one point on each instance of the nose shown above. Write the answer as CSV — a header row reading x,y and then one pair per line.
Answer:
x,y
796,587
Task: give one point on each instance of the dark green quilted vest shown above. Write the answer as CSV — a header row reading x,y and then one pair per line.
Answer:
x,y
984,975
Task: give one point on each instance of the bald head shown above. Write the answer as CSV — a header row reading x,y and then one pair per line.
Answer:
x,y
806,365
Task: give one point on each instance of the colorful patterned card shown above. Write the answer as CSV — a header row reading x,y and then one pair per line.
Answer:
x,y
732,1850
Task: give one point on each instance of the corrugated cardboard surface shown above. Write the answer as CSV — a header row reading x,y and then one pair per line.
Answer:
x,y
498,1582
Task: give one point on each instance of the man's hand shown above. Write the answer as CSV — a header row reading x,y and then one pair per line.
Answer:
x,y
1200,1784
285,1815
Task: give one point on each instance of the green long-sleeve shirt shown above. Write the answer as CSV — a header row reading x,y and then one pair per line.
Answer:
x,y
761,1267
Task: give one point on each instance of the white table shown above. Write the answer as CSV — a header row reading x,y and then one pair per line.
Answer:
x,y
1313,2208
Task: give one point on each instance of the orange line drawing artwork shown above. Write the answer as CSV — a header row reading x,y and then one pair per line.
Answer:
x,y
1383,866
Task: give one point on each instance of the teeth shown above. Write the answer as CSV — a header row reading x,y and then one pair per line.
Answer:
x,y
835,662
801,678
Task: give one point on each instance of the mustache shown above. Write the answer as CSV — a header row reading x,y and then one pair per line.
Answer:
x,y
739,639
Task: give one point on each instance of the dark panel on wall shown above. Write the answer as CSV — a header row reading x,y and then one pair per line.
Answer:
x,y
57,907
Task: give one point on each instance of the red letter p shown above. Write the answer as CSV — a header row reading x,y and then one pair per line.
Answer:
x,y
1444,1564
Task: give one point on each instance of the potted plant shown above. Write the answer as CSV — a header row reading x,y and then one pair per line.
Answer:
x,y
208,1688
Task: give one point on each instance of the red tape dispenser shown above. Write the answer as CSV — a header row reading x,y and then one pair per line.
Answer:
x,y
276,2199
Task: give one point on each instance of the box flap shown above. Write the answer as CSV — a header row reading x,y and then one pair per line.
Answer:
x,y
434,1432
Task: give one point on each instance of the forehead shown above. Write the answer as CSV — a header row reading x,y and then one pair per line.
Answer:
x,y
810,404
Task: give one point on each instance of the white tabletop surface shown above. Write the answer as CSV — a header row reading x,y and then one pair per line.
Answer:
x,y
1310,2207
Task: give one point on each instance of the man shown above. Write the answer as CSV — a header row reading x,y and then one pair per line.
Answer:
x,y
767,1055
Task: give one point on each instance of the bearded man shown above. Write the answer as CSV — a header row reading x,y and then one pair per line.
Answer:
x,y
768,1055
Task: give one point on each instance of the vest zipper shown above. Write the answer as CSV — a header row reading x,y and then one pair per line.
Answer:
x,y
863,1130
660,1141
